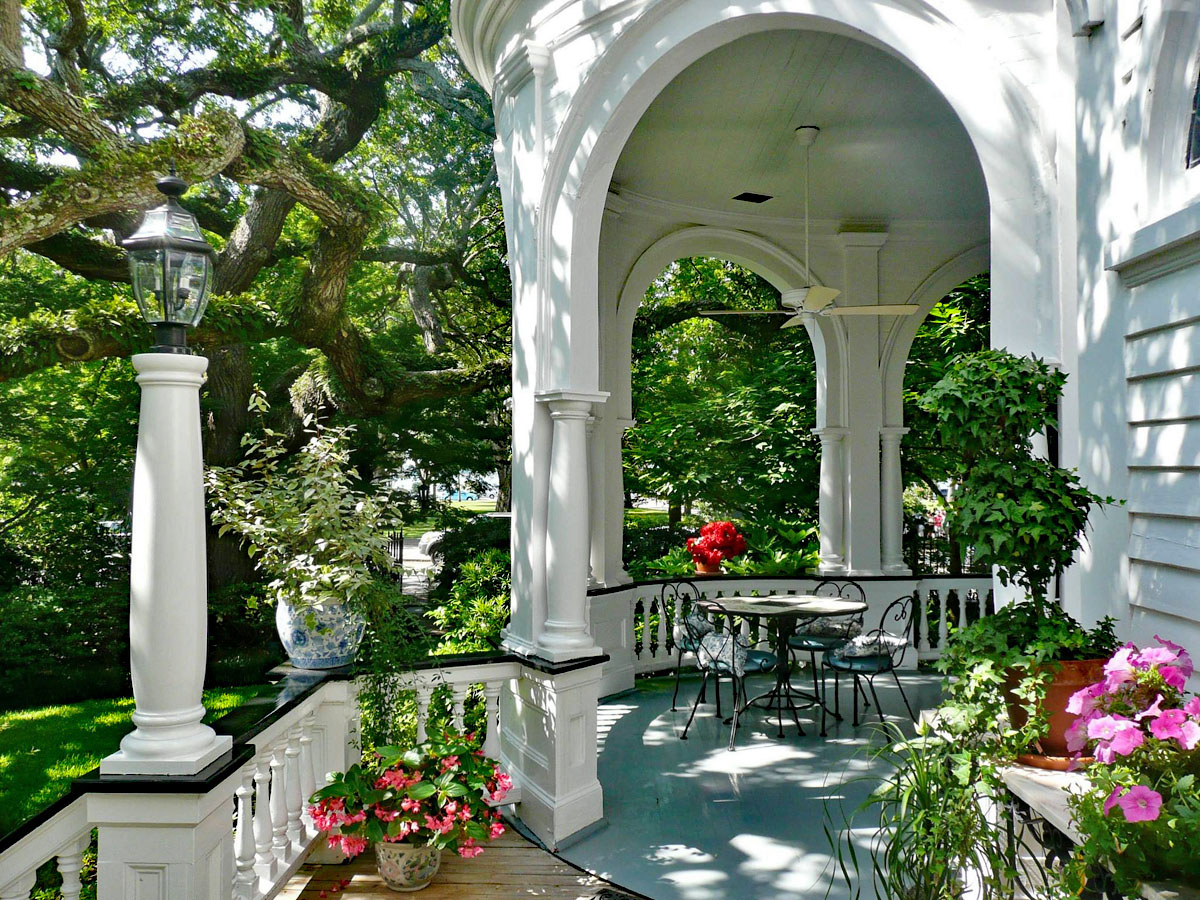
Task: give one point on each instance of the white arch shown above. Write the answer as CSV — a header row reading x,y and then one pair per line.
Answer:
x,y
779,267
940,282
650,51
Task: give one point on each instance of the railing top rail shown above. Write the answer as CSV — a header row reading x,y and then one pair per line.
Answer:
x,y
701,580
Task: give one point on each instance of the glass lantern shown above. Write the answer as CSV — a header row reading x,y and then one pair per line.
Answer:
x,y
170,265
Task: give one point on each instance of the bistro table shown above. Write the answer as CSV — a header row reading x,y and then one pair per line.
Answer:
x,y
787,610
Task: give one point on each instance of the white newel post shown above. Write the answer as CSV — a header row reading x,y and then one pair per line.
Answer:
x,y
831,515
168,601
891,501
565,633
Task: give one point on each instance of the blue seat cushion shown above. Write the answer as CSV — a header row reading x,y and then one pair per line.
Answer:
x,y
760,661
861,664
815,642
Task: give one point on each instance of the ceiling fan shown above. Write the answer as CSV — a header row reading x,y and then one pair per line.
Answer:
x,y
814,298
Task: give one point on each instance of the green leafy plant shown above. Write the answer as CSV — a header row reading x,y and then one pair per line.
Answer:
x,y
1024,515
305,518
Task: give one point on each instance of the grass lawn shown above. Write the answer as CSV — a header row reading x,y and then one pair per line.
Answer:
x,y
43,749
418,527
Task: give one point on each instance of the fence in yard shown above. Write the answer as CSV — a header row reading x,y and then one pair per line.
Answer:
x,y
239,829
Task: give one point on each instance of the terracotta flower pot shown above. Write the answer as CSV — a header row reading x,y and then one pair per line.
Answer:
x,y
405,867
708,568
1071,676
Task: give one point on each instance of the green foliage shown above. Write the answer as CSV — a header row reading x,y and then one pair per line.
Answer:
x,y
478,607
1022,514
724,417
306,519
463,543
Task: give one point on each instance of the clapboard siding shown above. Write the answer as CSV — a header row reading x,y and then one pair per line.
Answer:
x,y
1170,351
1174,445
1162,368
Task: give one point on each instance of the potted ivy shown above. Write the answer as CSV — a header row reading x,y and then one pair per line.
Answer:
x,y
312,528
1026,518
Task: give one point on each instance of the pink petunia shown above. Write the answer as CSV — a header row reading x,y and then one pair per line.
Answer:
x,y
1189,735
1083,701
1183,659
1152,710
1140,804
1166,726
1173,676
1112,800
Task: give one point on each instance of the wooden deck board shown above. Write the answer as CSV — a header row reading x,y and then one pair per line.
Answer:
x,y
510,867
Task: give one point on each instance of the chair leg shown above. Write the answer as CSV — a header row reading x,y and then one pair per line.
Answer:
x,y
854,693
733,728
912,715
878,705
678,666
683,737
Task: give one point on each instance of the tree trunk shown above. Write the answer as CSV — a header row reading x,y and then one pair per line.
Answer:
x,y
504,494
227,418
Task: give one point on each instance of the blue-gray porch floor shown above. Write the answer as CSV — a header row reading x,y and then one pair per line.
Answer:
x,y
691,820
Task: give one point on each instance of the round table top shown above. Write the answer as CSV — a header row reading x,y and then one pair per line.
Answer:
x,y
791,605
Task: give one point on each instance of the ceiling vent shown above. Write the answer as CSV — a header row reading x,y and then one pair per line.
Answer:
x,y
751,197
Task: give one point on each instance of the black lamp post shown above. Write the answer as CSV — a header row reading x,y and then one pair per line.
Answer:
x,y
171,267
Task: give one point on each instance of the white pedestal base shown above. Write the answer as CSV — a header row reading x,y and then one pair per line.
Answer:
x,y
122,763
549,747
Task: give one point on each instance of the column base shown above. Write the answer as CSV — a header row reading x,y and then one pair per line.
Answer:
x,y
124,762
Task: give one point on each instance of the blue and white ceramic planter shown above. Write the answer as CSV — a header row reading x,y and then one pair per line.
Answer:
x,y
332,643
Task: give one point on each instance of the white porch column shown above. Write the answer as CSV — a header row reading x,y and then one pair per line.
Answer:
x,y
168,593
832,521
891,501
565,633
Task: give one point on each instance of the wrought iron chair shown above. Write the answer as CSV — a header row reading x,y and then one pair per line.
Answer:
x,y
830,632
722,654
869,655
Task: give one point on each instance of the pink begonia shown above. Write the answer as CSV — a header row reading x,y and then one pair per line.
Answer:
x,y
1112,800
1166,726
1152,710
1140,804
1083,701
1182,658
1189,735
1192,707
468,849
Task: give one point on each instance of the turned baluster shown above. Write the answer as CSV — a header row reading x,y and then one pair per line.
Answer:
x,y
423,695
245,880
295,799
70,862
280,845
491,736
264,860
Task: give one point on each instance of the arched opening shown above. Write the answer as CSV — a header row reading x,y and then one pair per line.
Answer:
x,y
724,401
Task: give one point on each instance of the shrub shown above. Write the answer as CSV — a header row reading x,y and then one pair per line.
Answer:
x,y
464,542
478,606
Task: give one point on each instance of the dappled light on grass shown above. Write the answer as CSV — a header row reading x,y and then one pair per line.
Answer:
x,y
46,748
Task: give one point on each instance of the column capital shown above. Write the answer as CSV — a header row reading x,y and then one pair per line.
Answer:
x,y
831,432
571,404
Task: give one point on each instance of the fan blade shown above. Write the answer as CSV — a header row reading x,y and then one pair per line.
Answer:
x,y
744,312
793,322
819,297
884,309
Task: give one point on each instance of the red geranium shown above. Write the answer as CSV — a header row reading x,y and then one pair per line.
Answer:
x,y
717,541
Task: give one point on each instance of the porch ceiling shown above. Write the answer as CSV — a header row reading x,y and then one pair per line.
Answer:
x,y
890,149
